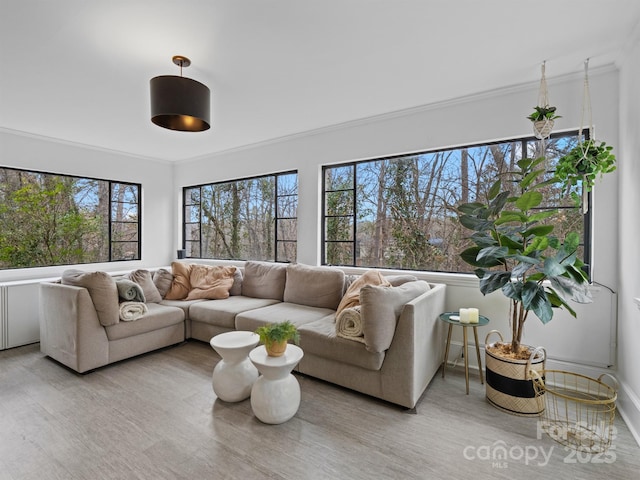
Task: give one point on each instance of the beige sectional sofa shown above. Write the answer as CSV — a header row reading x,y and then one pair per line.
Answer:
x,y
394,360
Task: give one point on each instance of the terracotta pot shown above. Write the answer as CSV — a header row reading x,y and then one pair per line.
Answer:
x,y
276,349
509,382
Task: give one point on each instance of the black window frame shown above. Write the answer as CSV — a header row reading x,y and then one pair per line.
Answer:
x,y
110,222
524,141
276,240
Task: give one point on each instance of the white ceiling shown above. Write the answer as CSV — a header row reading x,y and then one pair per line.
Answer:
x,y
79,70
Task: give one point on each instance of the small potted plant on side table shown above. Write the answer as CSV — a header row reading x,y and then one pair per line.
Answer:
x,y
275,336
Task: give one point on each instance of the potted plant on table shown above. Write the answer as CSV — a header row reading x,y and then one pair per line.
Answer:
x,y
275,336
516,252
543,119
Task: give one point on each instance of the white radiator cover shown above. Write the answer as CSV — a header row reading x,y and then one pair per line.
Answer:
x,y
19,313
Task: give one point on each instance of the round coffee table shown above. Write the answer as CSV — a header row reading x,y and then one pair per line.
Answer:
x,y
275,396
234,375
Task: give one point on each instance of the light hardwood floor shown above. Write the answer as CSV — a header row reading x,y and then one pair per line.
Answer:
x,y
156,417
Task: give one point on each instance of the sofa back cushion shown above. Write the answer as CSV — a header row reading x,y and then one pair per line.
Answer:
x,y
145,280
210,282
163,279
102,290
264,280
380,308
236,288
314,286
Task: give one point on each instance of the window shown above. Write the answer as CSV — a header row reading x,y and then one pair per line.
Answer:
x,y
400,212
48,219
246,219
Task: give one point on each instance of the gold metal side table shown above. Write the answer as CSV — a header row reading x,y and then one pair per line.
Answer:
x,y
446,317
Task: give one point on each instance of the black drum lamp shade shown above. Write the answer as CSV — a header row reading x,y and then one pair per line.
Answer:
x,y
180,103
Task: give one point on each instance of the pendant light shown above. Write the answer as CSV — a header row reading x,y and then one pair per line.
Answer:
x,y
180,103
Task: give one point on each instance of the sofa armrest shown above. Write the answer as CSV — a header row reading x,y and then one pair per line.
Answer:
x,y
417,348
70,331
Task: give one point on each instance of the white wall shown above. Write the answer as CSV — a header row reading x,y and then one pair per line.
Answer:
x,y
28,152
628,235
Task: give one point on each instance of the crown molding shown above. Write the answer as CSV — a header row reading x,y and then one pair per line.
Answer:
x,y
443,104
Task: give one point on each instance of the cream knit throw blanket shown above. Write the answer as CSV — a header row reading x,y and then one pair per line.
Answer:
x,y
349,324
130,311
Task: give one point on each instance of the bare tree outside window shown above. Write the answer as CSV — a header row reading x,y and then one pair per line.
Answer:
x,y
400,212
245,219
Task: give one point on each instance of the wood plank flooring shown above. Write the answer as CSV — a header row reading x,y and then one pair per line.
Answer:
x,y
156,417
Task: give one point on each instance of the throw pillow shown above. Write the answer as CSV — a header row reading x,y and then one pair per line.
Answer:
x,y
313,286
102,290
149,289
351,297
181,285
210,282
162,279
264,280
380,309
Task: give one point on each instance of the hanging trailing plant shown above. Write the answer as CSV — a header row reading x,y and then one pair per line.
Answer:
x,y
588,159
584,163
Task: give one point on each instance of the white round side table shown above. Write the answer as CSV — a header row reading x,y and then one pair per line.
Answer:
x,y
234,375
275,396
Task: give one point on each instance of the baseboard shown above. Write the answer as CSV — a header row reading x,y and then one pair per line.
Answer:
x,y
628,405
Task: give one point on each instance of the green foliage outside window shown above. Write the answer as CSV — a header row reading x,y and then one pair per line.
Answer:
x,y
48,219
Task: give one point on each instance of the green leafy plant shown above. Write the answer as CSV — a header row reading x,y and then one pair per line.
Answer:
x,y
584,163
278,332
543,113
515,252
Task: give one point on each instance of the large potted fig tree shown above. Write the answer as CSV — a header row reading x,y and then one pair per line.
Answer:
x,y
516,252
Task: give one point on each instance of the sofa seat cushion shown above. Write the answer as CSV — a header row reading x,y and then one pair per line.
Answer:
x,y
159,316
279,312
223,312
319,338
184,305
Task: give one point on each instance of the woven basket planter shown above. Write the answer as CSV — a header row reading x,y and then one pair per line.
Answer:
x,y
509,384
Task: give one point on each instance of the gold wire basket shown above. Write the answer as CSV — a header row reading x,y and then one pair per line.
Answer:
x,y
578,411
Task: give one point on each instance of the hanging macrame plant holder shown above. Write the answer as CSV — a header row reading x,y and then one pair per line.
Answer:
x,y
582,144
542,128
